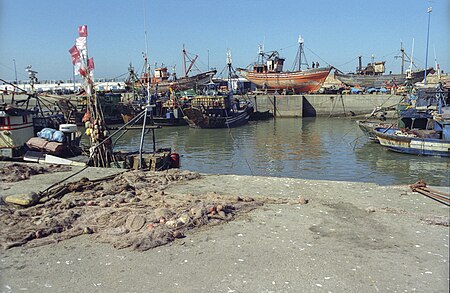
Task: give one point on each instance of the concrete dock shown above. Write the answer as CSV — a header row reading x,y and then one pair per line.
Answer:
x,y
312,105
349,237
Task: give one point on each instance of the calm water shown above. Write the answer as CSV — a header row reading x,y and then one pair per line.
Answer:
x,y
309,148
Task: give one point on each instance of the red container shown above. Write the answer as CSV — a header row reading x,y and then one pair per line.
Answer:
x,y
174,160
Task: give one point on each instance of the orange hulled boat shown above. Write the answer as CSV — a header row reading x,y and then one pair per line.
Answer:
x,y
267,73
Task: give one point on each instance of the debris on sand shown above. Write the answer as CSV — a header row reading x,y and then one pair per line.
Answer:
x,y
17,172
130,209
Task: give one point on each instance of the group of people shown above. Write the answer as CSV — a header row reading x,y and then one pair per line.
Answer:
x,y
315,64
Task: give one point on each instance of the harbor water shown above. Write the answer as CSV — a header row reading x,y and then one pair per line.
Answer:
x,y
308,148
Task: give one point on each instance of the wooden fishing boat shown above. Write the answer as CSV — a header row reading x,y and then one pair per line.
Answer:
x,y
166,111
217,112
420,142
267,73
372,76
378,80
16,127
415,111
434,140
162,81
368,128
305,81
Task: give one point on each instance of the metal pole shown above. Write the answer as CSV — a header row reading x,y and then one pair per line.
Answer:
x,y
15,72
73,74
428,36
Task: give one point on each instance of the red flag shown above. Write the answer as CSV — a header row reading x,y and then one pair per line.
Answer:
x,y
82,31
91,63
75,54
82,72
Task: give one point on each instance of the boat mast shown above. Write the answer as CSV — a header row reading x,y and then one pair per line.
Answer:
x,y
148,106
300,49
403,57
230,75
428,37
184,61
298,57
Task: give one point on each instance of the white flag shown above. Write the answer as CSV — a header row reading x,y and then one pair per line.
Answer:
x,y
76,68
81,43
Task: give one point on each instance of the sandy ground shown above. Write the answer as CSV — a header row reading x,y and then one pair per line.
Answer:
x,y
350,237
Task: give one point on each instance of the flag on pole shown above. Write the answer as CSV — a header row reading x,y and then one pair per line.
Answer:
x,y
91,64
80,42
76,68
75,54
82,31
82,71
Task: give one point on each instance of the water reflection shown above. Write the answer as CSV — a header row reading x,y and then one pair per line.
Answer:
x,y
310,148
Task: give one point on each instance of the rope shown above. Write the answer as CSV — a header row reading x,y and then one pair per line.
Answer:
x,y
237,145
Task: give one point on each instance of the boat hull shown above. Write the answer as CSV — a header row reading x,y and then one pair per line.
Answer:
x,y
196,118
306,81
379,81
412,145
368,128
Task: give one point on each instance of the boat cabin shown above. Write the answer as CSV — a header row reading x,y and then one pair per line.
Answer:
x,y
374,68
16,127
161,74
273,65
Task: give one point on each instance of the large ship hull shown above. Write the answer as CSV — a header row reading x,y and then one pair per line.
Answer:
x,y
368,81
306,81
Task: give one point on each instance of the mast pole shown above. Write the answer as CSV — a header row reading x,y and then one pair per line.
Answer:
x,y
403,57
300,49
184,61
147,65
428,37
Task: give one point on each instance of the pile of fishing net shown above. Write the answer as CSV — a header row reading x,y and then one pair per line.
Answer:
x,y
131,209
16,172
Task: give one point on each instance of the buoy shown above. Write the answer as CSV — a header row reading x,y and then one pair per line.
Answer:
x,y
174,160
68,128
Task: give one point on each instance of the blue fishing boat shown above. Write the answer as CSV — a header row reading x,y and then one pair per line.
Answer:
x,y
432,141
428,143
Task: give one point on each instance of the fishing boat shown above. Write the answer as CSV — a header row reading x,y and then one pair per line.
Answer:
x,y
267,73
166,111
16,127
420,142
414,112
163,81
372,76
217,111
22,120
432,141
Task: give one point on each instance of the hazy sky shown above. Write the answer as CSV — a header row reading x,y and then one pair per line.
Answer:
x,y
336,32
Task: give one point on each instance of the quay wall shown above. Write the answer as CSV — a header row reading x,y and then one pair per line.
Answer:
x,y
313,105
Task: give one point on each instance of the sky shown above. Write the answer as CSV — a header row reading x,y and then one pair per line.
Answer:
x,y
40,33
